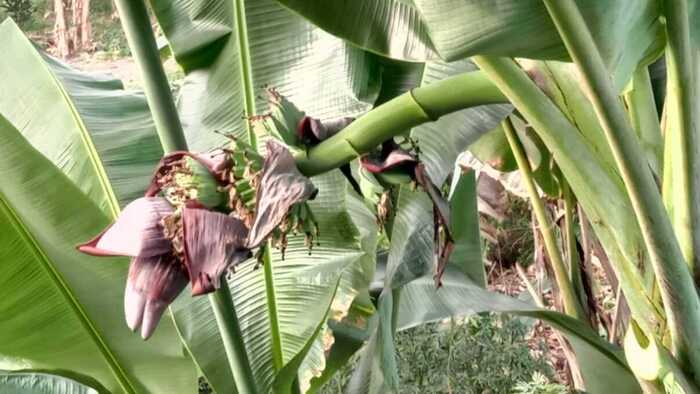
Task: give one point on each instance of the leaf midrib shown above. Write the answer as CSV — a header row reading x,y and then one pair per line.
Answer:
x,y
246,71
245,66
88,144
66,292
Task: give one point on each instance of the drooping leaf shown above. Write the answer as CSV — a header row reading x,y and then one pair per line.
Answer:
x,y
65,308
464,227
99,135
392,28
612,218
492,148
603,366
626,31
288,374
40,383
410,257
411,252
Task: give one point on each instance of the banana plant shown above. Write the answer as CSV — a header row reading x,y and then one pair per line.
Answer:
x,y
271,329
595,139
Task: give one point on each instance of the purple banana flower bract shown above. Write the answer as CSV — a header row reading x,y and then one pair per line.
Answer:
x,y
153,283
137,232
281,186
213,242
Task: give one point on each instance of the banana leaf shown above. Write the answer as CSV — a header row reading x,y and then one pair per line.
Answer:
x,y
627,32
40,383
603,366
63,310
101,136
411,257
590,177
230,50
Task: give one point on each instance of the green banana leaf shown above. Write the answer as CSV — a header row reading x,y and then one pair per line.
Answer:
x,y
40,383
603,366
301,283
230,50
392,28
411,257
590,177
288,375
99,135
62,309
676,190
464,219
627,32
492,148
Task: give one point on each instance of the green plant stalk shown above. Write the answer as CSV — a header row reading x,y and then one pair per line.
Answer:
x,y
681,302
142,43
573,261
275,335
571,305
396,297
529,286
232,337
245,67
682,93
423,104
644,118
561,137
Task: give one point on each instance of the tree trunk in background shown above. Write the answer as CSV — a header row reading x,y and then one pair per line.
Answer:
x,y
72,31
85,27
63,47
81,29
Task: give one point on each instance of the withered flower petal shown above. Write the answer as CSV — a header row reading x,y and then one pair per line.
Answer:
x,y
444,244
439,202
136,232
153,283
312,131
388,160
281,186
213,242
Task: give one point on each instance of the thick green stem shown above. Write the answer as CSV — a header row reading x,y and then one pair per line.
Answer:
x,y
571,304
232,337
272,309
394,117
584,172
681,302
142,43
683,122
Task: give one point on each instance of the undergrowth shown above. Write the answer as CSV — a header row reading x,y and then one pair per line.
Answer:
x,y
482,354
